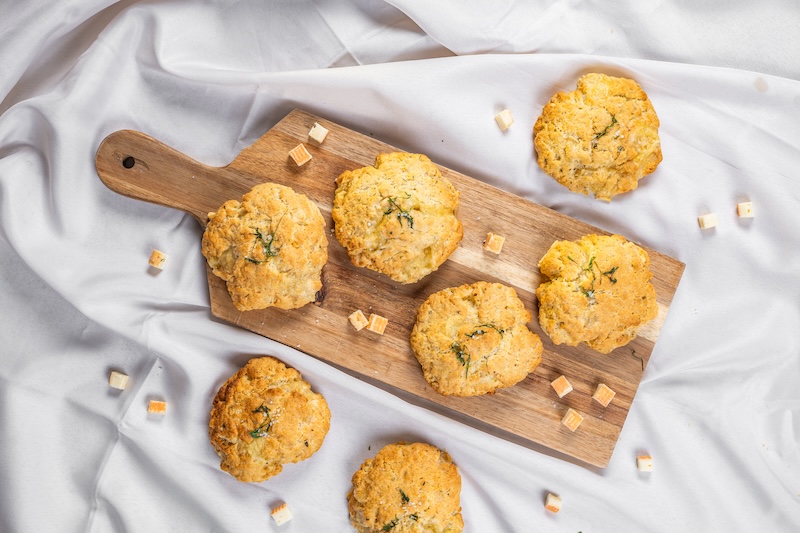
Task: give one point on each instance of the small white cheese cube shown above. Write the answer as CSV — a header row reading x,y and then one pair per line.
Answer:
x,y
504,119
118,380
493,243
300,155
745,210
644,463
358,319
157,259
281,514
552,503
708,220
318,133
562,386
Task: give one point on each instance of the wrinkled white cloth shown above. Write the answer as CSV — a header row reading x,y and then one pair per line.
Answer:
x,y
719,405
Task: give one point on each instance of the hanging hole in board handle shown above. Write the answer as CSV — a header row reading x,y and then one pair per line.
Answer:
x,y
128,162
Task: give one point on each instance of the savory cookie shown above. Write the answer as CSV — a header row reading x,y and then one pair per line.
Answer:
x,y
398,217
270,248
598,292
473,339
601,138
407,488
266,416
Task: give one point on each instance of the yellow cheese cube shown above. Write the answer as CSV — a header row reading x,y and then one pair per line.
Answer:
x,y
358,319
562,386
504,119
157,259
572,419
377,323
157,407
493,243
603,395
300,155
644,463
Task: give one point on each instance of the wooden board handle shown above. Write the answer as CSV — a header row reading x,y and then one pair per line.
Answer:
x,y
136,165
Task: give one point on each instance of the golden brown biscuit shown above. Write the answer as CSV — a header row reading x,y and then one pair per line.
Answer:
x,y
601,138
409,488
270,248
598,293
398,217
266,416
473,339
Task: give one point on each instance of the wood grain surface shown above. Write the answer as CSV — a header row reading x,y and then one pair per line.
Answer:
x,y
528,413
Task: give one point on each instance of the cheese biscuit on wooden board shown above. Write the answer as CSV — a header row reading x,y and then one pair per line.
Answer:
x,y
473,339
598,292
407,487
266,416
398,217
269,248
601,138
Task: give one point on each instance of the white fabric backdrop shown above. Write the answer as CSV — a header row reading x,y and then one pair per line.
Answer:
x,y
719,405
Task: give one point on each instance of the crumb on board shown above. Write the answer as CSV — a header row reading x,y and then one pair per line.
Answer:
x,y
504,119
377,323
118,380
562,386
603,394
572,419
358,320
493,243
300,155
157,259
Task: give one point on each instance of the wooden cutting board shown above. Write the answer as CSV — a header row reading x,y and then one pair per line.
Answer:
x,y
528,413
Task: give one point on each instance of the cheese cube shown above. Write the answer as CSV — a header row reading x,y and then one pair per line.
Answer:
x,y
745,210
493,243
644,463
572,419
708,220
300,155
318,133
281,514
562,386
157,407
504,119
377,323
358,319
603,395
118,380
157,259
552,503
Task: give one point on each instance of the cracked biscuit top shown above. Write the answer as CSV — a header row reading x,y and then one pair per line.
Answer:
x,y
599,139
409,488
598,292
269,248
265,416
473,339
398,217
